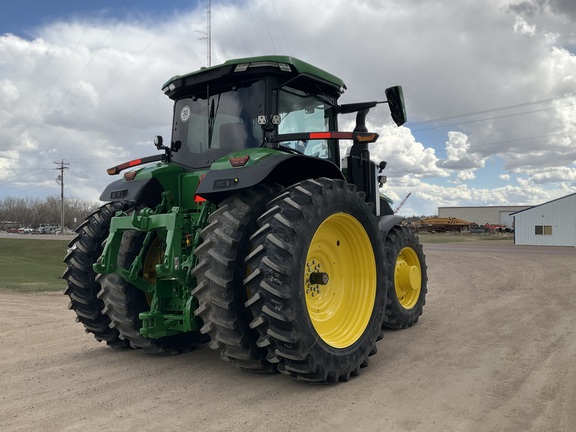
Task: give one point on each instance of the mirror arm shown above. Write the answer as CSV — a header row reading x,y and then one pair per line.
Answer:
x,y
361,120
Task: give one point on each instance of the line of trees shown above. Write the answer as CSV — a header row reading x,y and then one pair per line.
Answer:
x,y
32,212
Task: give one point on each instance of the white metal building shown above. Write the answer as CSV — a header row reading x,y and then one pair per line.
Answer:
x,y
493,215
549,224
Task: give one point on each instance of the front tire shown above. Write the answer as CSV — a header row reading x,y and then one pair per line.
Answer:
x,y
317,281
407,278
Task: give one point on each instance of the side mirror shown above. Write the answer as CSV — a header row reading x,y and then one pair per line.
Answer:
x,y
395,101
158,141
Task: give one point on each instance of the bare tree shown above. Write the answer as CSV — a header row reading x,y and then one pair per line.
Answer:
x,y
33,212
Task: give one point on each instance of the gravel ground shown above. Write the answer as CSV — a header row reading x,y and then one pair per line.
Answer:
x,y
494,351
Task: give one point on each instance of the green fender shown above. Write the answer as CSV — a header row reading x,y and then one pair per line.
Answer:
x,y
262,165
146,186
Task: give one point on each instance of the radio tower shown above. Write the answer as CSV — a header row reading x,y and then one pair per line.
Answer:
x,y
209,33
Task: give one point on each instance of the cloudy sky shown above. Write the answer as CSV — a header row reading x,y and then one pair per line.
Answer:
x,y
490,87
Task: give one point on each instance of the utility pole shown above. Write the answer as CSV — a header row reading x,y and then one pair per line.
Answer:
x,y
61,166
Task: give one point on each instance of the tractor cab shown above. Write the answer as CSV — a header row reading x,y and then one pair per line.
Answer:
x,y
245,103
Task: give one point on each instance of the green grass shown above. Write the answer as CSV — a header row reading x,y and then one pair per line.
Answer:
x,y
30,265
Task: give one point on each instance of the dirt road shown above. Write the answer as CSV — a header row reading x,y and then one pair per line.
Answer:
x,y
494,351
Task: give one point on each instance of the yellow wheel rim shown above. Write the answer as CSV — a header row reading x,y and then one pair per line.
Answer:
x,y
340,306
408,278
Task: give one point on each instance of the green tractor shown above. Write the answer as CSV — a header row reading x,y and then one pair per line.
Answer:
x,y
250,232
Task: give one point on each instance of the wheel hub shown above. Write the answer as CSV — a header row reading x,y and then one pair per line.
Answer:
x,y
319,278
314,280
408,278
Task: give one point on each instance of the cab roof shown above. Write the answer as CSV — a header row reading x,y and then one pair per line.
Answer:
x,y
273,64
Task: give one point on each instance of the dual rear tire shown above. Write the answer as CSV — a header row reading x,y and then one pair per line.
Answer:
x,y
219,274
309,298
317,281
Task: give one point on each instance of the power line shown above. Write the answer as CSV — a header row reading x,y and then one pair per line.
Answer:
x,y
284,38
56,80
490,110
112,83
253,22
268,29
523,139
487,119
75,80
233,32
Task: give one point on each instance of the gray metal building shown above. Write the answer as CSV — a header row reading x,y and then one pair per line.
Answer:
x,y
550,224
493,215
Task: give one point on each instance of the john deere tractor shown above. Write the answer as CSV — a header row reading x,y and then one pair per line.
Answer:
x,y
249,230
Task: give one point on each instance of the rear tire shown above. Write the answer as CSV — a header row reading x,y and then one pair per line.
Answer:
x,y
124,302
407,278
84,250
317,281
220,272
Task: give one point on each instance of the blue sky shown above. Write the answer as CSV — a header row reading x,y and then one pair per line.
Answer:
x,y
490,87
23,17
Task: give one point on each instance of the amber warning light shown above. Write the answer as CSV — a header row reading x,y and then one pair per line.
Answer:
x,y
130,175
239,161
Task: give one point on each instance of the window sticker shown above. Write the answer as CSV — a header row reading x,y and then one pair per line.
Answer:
x,y
185,113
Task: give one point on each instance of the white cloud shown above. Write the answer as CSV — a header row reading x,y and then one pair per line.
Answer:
x,y
89,91
554,175
426,198
8,91
463,176
459,154
404,154
522,27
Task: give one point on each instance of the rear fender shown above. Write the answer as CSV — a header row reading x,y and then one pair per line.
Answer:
x,y
147,191
281,168
387,222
